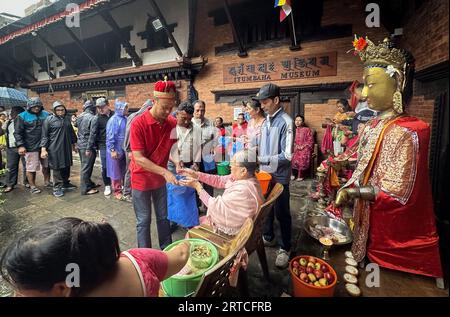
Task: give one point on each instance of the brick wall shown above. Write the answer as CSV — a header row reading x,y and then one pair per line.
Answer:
x,y
137,94
425,33
64,97
315,115
208,37
421,108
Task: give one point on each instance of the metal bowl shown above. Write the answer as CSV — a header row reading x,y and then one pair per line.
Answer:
x,y
326,221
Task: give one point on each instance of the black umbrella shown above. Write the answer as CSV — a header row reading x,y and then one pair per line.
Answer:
x,y
10,97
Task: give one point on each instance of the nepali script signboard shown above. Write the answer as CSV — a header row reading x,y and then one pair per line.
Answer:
x,y
301,67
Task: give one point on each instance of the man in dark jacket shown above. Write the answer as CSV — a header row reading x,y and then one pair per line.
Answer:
x,y
87,134
100,121
362,110
58,142
275,155
12,156
28,133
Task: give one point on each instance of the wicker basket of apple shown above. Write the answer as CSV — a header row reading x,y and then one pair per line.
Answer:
x,y
312,277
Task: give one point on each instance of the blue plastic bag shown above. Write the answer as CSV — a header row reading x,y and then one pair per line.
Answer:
x,y
208,162
236,147
224,140
182,205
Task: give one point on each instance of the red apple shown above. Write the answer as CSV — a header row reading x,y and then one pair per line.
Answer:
x,y
312,259
295,271
329,277
318,274
304,277
324,268
295,264
309,270
302,269
303,262
317,266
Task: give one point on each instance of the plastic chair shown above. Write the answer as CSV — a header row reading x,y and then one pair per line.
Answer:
x,y
255,242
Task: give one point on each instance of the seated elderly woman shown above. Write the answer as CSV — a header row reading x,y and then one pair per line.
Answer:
x,y
242,196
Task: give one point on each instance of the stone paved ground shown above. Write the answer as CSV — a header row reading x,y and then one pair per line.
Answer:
x,y
21,211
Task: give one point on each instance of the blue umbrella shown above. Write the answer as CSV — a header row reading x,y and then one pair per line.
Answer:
x,y
10,97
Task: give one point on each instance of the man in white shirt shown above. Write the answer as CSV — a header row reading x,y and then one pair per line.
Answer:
x,y
208,131
186,153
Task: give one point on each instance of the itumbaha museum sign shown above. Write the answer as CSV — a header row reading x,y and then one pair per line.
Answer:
x,y
306,66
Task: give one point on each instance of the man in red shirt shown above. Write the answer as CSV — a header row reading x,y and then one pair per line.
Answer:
x,y
150,144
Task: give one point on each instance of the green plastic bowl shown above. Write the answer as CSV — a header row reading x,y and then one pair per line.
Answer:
x,y
183,285
223,168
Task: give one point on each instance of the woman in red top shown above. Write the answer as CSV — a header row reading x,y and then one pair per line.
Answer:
x,y
218,123
75,258
240,127
303,147
221,132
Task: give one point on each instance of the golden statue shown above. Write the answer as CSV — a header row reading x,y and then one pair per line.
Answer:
x,y
393,209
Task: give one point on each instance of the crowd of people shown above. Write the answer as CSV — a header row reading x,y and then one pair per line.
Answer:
x,y
144,152
153,146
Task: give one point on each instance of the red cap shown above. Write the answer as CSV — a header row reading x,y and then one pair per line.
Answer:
x,y
165,89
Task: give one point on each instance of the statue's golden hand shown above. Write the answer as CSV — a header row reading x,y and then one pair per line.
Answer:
x,y
342,197
365,193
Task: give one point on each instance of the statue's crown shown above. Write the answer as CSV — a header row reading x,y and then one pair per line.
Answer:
x,y
383,54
